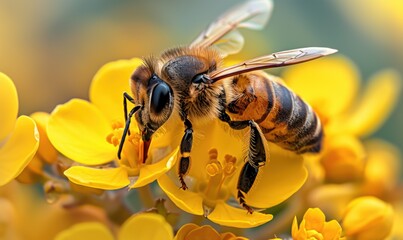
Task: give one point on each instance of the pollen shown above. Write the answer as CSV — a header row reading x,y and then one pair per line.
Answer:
x,y
229,165
213,169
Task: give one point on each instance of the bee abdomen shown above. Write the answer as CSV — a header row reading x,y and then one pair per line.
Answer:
x,y
296,126
284,118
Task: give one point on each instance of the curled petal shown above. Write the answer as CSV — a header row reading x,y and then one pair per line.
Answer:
x,y
185,230
146,226
8,106
86,230
105,178
329,84
46,149
186,200
226,215
378,101
108,85
19,149
278,179
78,130
150,172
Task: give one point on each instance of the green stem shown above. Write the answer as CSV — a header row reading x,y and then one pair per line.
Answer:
x,y
146,196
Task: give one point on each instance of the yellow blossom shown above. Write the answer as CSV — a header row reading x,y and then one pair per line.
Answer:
x,y
19,138
314,226
89,133
213,177
368,218
331,86
144,226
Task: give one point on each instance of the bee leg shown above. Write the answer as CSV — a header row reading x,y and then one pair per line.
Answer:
x,y
185,148
126,130
245,181
256,157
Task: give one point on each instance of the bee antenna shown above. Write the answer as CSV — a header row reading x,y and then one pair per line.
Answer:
x,y
126,130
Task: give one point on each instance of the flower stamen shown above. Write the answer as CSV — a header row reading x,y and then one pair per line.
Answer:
x,y
217,172
130,148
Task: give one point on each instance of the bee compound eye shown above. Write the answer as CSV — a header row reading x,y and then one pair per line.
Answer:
x,y
160,97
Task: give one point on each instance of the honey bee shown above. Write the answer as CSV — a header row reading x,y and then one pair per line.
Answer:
x,y
191,82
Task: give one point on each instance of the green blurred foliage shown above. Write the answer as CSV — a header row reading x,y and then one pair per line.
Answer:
x,y
51,49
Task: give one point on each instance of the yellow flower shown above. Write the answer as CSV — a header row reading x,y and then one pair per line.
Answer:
x,y
145,226
331,86
194,232
19,138
314,226
213,176
380,179
89,133
368,218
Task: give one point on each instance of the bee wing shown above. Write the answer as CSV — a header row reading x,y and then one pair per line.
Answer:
x,y
273,60
252,14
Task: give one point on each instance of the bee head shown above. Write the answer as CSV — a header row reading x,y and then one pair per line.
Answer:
x,y
156,98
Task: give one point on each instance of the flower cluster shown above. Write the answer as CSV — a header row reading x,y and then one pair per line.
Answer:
x,y
349,190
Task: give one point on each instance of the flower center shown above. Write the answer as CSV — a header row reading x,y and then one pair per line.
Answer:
x,y
130,151
217,172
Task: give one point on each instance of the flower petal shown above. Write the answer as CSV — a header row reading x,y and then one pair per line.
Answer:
x,y
314,219
102,178
204,232
377,103
46,149
332,230
226,215
108,85
278,179
186,200
150,172
215,135
78,130
146,226
185,230
9,106
86,230
329,84
19,149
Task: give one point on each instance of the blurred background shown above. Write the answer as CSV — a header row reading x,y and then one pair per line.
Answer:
x,y
52,48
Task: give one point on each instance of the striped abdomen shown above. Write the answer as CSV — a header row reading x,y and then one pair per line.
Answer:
x,y
284,118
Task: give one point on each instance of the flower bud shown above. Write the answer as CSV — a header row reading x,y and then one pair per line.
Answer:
x,y
368,218
314,226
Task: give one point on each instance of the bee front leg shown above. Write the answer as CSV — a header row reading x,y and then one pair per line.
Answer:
x,y
256,157
185,148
